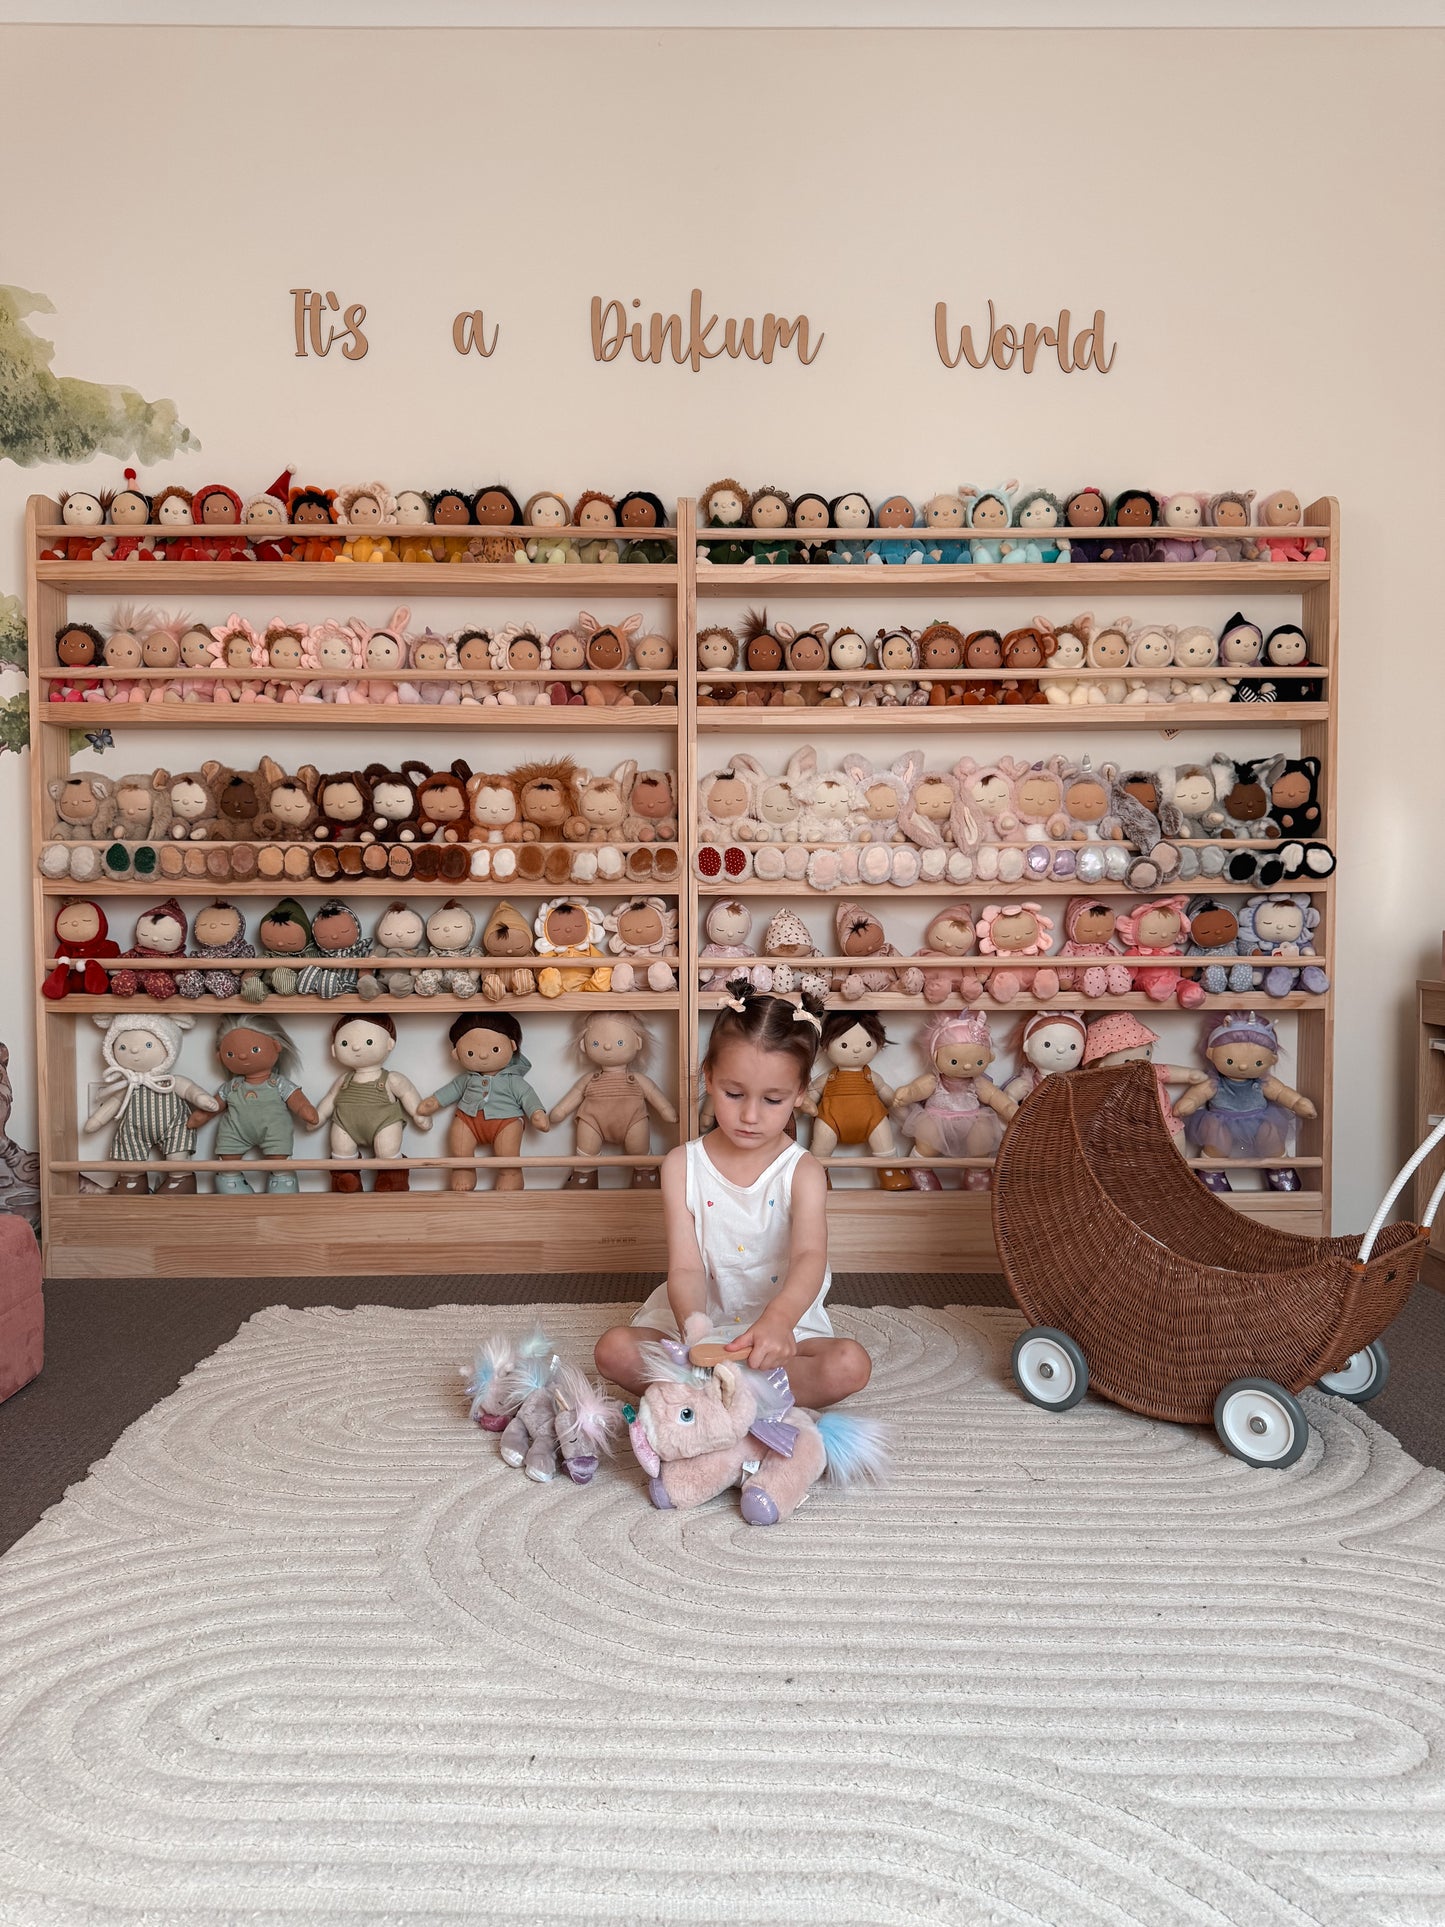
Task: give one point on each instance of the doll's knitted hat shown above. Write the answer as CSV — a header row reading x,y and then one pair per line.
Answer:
x,y
1244,1027
167,1029
288,910
1081,907
1120,1030
215,488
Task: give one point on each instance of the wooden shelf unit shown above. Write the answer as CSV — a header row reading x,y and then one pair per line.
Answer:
x,y
94,1234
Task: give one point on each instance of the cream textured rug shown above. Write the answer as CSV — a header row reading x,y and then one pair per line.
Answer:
x,y
302,1650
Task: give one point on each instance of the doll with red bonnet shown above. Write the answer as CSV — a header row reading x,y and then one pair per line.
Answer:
x,y
216,509
81,936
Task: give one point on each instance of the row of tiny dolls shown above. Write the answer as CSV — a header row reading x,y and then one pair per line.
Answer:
x,y
363,523
1088,664
1236,1109
545,821
1011,821
1001,525
352,662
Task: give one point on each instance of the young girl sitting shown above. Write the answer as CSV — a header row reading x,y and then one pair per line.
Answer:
x,y
747,1239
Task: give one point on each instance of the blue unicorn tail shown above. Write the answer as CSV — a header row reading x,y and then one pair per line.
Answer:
x,y
857,1448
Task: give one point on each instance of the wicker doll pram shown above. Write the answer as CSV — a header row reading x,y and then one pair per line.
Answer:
x,y
1140,1283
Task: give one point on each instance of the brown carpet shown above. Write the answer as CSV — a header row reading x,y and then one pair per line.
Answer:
x,y
116,1346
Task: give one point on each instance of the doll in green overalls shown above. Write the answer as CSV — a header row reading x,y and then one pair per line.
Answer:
x,y
260,1100
368,1105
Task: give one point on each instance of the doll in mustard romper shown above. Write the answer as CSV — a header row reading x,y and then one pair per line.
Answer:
x,y
850,1105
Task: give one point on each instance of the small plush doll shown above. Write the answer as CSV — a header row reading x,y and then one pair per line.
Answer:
x,y
384,656
728,926
1243,1110
848,1102
142,811
364,510
130,509
612,1098
413,517
788,950
1150,647
1025,651
1120,1038
171,509
1242,813
1181,514
159,932
719,652
951,936
197,659
1280,516
1089,933
395,817
861,939
1286,647
451,933
78,645
1283,926
518,653
1014,931
898,655
495,508
570,1416
778,804
601,806
451,508
944,515
401,933
954,1109
335,932
261,1101
494,1102
811,514
652,655
313,509
1231,510
983,650
81,937
1070,690
1132,510
637,514
990,510
642,931
148,1101
546,512
771,509
1049,1042
1294,796
368,1105
337,651
1085,509
235,649
282,648
566,928
1214,933
941,648
216,509
597,514
80,509
1241,645
1160,929
265,516
284,932
218,931
507,936
288,815
443,822
432,654
567,653
1039,515
896,512
1196,650
723,505
608,645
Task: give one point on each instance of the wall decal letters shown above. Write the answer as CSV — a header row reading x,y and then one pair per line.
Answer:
x,y
311,313
1003,345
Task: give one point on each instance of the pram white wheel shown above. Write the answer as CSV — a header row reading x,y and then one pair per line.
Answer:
x,y
1260,1422
1362,1375
1050,1368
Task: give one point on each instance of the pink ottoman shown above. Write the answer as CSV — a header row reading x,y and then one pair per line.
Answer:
x,y
22,1306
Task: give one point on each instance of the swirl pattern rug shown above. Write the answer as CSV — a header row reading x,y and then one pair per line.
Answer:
x,y
302,1650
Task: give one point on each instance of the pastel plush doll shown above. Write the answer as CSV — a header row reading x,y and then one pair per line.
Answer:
x,y
261,1103
638,513
1214,934
335,932
546,513
728,927
570,934
171,509
83,512
199,679
789,951
264,518
602,803
652,811
951,937
652,655
81,938
130,510
1180,515
451,509
384,658
1191,806
1107,649
492,1095
1160,929
897,512
884,799
219,931
1231,510
848,651
945,516
723,505
216,509
365,511
727,817
433,665
642,933
1039,516
1150,647
853,513
860,938
1279,517
368,1105
124,650
1012,932
160,932
335,654
1084,510
848,1102
991,513
451,934
956,1109
493,508
612,1098
1050,1043
148,1100
1244,1110
313,510
283,649
570,1416
1241,644
1196,651
770,509
1090,933
507,936
1133,510
1121,1038
719,652
400,933
597,514
413,516
284,932
519,654
1283,926
898,657
811,514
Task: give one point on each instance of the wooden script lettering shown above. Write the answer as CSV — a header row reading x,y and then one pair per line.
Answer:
x,y
693,342
309,315
1004,345
469,334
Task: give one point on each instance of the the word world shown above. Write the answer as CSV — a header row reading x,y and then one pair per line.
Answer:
x,y
1003,345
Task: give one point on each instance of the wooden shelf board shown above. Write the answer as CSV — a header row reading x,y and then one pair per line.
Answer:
x,y
477,716
1015,716
82,1005
1201,886
397,582
157,888
1061,1000
758,582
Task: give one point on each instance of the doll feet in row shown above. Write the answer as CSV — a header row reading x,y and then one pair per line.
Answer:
x,y
1288,862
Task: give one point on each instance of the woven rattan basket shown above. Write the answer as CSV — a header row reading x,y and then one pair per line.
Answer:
x,y
1106,1234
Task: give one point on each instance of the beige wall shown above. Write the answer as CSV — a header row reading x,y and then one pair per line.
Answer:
x,y
1256,212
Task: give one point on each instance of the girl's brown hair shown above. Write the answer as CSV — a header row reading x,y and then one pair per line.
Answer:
x,y
770,1023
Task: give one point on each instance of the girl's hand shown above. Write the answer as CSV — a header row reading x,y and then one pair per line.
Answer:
x,y
767,1342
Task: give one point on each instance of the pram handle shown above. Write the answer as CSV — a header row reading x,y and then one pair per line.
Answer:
x,y
1367,1243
